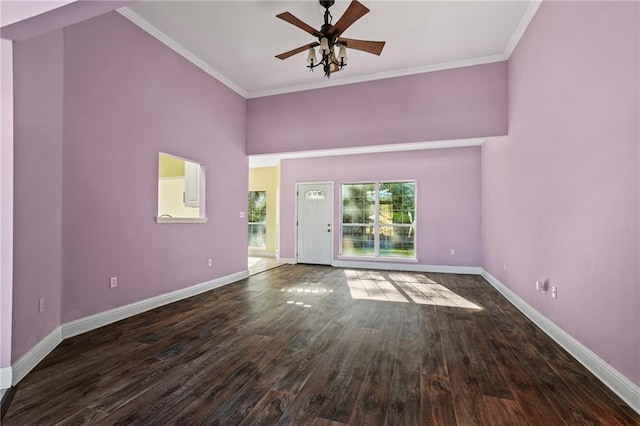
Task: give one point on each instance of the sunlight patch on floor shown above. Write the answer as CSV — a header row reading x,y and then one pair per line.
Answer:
x,y
371,285
254,260
425,291
305,289
308,288
258,264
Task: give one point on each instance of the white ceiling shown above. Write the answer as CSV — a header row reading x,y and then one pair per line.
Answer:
x,y
236,41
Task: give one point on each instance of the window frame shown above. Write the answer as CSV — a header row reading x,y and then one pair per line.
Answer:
x,y
263,223
200,186
377,225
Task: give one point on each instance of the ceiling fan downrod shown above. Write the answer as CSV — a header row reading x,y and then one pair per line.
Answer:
x,y
327,44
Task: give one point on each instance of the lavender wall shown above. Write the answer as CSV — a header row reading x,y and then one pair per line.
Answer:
x,y
32,18
451,104
560,195
38,97
93,109
127,97
448,197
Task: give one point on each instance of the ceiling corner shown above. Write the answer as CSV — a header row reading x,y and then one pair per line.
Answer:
x,y
132,16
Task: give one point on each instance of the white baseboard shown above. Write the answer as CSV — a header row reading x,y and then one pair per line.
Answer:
x,y
91,322
28,361
287,260
5,377
409,267
623,387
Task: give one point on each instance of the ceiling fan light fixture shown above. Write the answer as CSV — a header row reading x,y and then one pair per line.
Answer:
x,y
330,40
324,45
311,57
342,54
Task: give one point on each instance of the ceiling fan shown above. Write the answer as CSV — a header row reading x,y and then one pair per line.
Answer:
x,y
329,38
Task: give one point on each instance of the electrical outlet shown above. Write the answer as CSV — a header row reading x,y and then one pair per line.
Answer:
x,y
210,262
41,306
241,215
554,292
453,252
113,282
541,286
504,266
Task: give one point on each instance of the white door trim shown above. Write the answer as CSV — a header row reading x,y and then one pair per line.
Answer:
x,y
295,221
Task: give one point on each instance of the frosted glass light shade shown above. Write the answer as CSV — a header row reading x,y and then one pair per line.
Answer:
x,y
324,45
311,57
342,55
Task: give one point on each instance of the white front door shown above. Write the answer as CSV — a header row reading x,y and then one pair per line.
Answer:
x,y
315,223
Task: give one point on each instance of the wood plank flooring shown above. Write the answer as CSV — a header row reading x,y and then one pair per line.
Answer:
x,y
313,345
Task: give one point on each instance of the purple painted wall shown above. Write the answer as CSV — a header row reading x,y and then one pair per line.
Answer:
x,y
85,203
38,97
38,18
127,97
448,197
452,104
560,195
558,198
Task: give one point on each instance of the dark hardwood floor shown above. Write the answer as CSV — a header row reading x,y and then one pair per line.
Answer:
x,y
301,345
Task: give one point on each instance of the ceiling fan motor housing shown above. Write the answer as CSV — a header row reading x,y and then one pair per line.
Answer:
x,y
325,30
326,3
326,27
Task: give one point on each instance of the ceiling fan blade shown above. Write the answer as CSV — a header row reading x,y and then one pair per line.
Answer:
x,y
355,11
373,47
285,55
287,17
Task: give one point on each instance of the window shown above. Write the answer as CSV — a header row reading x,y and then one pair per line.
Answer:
x,y
378,219
181,190
258,219
314,195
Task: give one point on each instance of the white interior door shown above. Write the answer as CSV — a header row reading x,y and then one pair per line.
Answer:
x,y
315,223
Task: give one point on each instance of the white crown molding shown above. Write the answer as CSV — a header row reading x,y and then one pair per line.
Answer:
x,y
128,13
270,160
504,56
91,322
5,377
522,27
619,384
408,267
380,76
28,361
178,48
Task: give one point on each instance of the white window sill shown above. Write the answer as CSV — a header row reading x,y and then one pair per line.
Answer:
x,y
181,219
379,259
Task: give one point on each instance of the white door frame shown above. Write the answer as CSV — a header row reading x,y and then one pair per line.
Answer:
x,y
295,224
